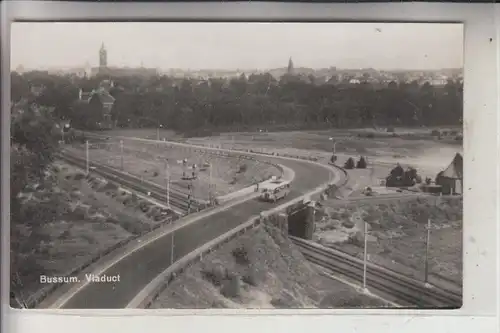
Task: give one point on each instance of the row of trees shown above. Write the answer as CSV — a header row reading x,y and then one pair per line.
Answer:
x,y
252,102
350,164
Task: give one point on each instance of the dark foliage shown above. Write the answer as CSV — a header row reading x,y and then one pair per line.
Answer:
x,y
399,177
361,164
33,144
349,164
248,103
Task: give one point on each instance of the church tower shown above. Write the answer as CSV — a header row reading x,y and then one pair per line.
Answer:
x,y
290,67
103,57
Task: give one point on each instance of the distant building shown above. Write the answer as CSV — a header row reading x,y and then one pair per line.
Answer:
x,y
103,57
290,69
102,99
438,82
20,69
106,70
37,89
451,178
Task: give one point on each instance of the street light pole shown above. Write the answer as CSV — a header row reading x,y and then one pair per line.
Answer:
x,y
87,156
121,154
210,186
426,267
365,256
168,183
172,249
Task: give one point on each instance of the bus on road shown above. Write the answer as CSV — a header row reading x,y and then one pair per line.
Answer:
x,y
275,191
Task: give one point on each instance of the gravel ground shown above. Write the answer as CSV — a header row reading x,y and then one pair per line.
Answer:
x,y
148,162
398,233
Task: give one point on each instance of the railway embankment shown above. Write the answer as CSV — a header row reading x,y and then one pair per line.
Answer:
x,y
259,269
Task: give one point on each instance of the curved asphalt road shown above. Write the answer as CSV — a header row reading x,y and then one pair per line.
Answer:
x,y
142,266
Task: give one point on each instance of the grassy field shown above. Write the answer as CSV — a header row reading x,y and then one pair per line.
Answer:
x,y
416,148
397,233
148,162
261,269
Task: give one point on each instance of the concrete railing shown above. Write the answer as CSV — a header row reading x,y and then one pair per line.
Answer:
x,y
151,292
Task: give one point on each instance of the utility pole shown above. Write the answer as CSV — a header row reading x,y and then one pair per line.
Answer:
x,y
87,167
190,196
365,256
427,245
184,165
167,169
172,249
210,194
121,154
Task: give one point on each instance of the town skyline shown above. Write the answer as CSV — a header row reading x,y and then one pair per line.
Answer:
x,y
211,46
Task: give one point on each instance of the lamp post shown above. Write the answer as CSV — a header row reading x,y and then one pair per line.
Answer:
x,y
121,155
365,259
87,167
427,245
334,144
158,132
172,249
167,169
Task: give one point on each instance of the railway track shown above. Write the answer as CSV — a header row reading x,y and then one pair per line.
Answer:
x,y
178,200
408,292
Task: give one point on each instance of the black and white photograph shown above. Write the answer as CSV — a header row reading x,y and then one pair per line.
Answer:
x,y
236,165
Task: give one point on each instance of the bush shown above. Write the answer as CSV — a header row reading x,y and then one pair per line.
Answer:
x,y
217,275
279,303
242,168
144,206
349,164
240,254
348,224
435,133
218,304
333,159
79,176
390,130
250,279
231,288
361,164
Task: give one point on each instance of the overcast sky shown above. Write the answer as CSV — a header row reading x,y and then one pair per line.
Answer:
x,y
239,45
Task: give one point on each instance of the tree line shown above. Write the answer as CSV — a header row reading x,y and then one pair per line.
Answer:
x,y
249,103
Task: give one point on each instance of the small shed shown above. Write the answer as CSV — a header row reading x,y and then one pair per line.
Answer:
x,y
451,178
